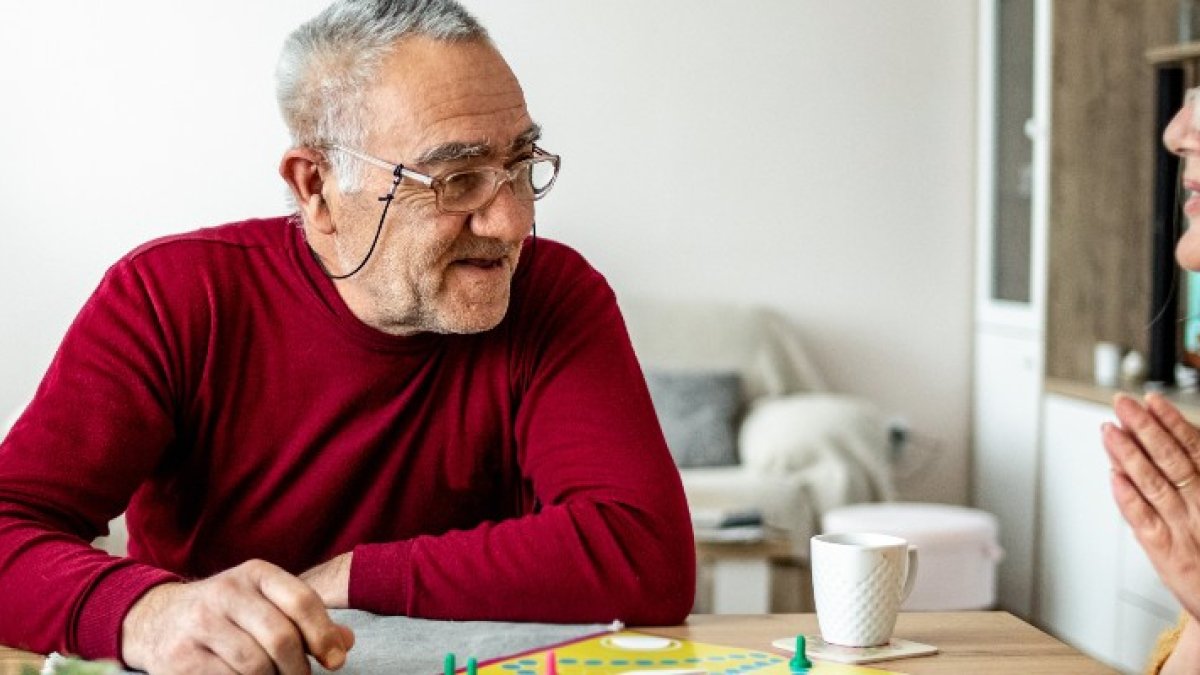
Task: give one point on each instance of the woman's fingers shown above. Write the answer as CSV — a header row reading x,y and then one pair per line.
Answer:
x,y
1147,525
1173,421
1163,448
1129,459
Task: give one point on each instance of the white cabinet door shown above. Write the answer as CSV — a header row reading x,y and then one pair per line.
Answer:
x,y
1137,629
1078,575
1008,383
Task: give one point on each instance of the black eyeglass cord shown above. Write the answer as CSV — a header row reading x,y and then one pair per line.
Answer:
x,y
532,243
387,202
398,175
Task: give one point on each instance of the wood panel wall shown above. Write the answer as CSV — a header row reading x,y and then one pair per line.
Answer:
x,y
1101,177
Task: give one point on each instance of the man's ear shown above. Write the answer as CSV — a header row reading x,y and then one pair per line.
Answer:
x,y
301,169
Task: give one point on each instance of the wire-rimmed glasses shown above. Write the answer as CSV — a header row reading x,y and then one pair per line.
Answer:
x,y
471,190
462,192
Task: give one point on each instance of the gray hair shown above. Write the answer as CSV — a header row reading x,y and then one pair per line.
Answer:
x,y
328,64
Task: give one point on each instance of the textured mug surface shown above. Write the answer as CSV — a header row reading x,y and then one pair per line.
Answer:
x,y
859,581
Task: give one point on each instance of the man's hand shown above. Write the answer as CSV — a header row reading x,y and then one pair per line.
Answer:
x,y
331,581
254,618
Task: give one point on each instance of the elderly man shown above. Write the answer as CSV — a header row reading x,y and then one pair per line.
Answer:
x,y
394,400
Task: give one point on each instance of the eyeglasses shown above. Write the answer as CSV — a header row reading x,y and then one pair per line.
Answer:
x,y
471,190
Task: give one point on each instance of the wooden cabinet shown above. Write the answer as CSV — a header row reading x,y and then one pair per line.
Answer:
x,y
1103,147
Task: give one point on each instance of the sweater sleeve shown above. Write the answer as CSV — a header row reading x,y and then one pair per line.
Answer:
x,y
1164,646
95,428
610,538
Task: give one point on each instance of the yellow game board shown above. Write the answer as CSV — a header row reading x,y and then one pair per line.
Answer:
x,y
639,653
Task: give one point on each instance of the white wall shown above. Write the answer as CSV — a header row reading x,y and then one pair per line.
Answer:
x,y
812,155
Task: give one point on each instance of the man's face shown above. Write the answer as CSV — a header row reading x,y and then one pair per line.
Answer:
x,y
439,107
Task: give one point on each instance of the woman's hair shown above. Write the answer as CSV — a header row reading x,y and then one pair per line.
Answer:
x,y
330,62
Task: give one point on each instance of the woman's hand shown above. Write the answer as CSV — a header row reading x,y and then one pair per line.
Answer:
x,y
1155,456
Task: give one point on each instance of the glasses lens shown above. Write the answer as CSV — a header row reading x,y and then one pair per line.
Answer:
x,y
541,176
467,190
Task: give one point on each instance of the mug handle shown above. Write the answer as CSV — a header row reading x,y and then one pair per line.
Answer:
x,y
910,573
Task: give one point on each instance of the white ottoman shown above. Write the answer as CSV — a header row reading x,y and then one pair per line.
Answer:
x,y
957,549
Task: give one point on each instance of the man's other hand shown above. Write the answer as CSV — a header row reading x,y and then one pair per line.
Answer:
x,y
254,618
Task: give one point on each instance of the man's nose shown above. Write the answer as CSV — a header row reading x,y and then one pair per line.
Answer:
x,y
507,218
1181,135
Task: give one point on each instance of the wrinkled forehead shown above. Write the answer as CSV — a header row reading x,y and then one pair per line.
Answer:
x,y
431,93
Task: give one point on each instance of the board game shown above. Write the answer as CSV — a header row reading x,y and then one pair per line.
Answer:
x,y
633,653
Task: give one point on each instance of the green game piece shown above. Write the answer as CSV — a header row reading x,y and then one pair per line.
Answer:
x,y
800,662
472,666
448,664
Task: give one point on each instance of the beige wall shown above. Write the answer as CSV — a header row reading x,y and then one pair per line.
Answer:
x,y
811,155
816,156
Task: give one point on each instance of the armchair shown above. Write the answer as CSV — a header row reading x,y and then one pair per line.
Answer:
x,y
801,450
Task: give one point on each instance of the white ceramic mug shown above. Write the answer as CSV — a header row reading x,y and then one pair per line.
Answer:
x,y
859,581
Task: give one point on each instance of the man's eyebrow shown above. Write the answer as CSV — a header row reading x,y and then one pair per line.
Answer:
x,y
453,151
527,137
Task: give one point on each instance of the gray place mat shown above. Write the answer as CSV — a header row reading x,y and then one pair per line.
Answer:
x,y
401,645
398,645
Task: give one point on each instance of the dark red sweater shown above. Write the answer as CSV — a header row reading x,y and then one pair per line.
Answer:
x,y
217,386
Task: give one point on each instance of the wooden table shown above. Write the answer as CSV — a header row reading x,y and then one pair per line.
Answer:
x,y
973,643
11,661
969,643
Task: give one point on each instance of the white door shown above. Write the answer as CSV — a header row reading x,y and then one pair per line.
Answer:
x,y
1010,284
1008,385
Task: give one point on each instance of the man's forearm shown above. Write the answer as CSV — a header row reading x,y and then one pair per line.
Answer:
x,y
331,580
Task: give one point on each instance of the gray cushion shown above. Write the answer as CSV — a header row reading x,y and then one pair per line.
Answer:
x,y
698,411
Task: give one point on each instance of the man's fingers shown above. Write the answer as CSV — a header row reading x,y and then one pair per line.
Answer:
x,y
302,605
273,633
1168,455
198,660
238,650
255,618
